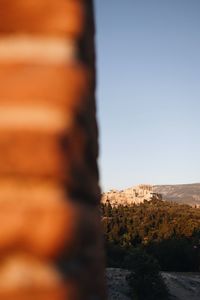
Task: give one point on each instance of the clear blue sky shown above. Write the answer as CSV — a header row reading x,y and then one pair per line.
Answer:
x,y
148,91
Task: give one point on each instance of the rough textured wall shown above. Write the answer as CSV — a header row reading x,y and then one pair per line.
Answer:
x,y
50,240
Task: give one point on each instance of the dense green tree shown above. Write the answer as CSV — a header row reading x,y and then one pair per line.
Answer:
x,y
145,280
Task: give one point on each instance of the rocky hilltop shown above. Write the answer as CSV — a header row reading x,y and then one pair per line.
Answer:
x,y
137,194
182,193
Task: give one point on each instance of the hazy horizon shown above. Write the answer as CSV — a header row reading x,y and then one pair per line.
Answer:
x,y
148,92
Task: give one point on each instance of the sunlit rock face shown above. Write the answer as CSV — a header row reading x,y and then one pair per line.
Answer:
x,y
50,237
134,195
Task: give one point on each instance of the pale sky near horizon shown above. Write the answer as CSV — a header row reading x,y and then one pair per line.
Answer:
x,y
148,91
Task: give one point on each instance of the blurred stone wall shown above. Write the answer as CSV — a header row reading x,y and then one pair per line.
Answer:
x,y
50,236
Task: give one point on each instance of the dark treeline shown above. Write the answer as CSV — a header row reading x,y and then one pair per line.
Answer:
x,y
167,231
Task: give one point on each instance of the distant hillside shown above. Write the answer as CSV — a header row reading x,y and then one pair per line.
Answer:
x,y
181,193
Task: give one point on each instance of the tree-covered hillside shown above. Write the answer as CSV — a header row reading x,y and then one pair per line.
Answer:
x,y
168,231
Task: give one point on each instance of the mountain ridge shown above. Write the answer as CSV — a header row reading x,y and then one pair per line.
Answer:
x,y
180,193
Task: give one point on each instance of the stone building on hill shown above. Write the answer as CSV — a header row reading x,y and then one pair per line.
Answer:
x,y
134,195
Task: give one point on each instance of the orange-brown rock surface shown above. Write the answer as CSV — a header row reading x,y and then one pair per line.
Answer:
x,y
50,236
47,17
